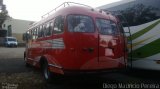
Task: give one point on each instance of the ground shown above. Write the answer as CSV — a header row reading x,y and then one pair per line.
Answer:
x,y
14,75
13,70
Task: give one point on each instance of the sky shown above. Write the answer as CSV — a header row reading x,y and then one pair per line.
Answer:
x,y
33,9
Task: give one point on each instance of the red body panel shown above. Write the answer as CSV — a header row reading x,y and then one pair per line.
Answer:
x,y
81,51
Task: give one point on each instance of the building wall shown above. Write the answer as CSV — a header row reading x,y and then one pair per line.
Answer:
x,y
17,26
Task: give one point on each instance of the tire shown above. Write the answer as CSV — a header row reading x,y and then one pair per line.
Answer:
x,y
26,64
46,72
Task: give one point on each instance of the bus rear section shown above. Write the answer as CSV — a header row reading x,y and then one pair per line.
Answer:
x,y
95,43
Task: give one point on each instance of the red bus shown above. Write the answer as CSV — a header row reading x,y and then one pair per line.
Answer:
x,y
76,39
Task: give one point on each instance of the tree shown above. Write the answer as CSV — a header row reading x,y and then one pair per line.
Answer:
x,y
139,14
3,15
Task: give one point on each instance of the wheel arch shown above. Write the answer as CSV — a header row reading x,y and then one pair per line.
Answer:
x,y
53,64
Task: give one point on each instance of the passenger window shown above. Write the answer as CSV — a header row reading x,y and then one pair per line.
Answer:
x,y
49,29
43,31
47,32
37,31
40,32
106,27
34,34
29,35
80,23
58,25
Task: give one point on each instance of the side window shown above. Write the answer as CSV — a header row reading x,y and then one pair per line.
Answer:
x,y
58,25
49,29
106,27
37,31
34,34
80,23
29,35
43,31
51,26
40,32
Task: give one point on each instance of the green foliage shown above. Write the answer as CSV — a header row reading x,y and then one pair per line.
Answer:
x,y
3,16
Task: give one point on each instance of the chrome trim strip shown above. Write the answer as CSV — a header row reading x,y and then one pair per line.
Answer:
x,y
55,66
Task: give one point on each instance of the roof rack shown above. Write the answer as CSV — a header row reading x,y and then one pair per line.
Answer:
x,y
65,4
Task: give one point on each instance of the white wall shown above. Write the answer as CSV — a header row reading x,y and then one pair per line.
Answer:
x,y
18,27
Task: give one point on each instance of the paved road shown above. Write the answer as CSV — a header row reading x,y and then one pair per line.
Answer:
x,y
11,61
6,53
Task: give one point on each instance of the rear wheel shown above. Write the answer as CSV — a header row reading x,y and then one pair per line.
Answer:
x,y
49,76
46,72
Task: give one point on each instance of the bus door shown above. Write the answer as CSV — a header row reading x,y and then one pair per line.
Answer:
x,y
111,43
86,40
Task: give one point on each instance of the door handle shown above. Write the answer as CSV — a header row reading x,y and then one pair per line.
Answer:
x,y
90,49
84,49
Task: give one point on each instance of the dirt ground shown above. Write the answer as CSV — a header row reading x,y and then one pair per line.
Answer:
x,y
26,80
